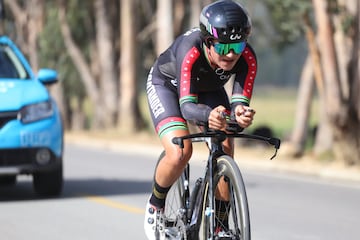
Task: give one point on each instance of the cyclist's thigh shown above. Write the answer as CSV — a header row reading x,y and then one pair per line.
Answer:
x,y
164,109
166,116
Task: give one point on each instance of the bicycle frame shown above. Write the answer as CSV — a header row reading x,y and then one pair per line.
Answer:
x,y
214,141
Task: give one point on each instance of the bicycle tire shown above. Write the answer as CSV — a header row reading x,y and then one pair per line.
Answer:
x,y
175,218
239,218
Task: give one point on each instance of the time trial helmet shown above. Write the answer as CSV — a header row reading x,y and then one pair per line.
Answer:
x,y
226,21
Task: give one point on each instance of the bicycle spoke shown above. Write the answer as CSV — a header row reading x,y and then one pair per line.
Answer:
x,y
174,213
231,218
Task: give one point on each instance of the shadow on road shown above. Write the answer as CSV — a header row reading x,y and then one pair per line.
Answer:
x,y
74,188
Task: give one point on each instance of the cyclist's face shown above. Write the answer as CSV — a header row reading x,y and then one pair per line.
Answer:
x,y
227,61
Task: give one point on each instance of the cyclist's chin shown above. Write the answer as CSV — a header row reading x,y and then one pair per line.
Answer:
x,y
226,64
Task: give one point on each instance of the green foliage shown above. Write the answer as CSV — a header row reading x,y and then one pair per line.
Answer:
x,y
347,20
52,55
286,17
80,17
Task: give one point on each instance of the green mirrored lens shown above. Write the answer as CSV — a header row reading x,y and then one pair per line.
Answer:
x,y
225,48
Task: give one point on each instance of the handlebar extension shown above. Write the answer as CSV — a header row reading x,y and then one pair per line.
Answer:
x,y
221,135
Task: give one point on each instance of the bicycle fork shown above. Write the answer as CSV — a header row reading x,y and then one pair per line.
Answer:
x,y
202,200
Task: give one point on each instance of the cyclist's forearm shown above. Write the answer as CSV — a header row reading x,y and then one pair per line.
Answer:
x,y
195,112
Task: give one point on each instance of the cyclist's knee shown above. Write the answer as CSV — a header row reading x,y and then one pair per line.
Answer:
x,y
179,156
176,155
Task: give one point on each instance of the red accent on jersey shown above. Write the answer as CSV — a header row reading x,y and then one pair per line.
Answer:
x,y
167,120
252,67
186,67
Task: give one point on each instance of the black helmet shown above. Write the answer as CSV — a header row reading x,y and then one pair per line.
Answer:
x,y
226,21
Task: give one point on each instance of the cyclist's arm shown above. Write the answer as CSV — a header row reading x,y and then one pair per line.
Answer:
x,y
245,78
195,112
243,88
188,96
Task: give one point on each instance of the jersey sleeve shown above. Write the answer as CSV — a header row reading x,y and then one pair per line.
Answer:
x,y
187,54
244,80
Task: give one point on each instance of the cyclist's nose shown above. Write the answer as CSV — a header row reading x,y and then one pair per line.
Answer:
x,y
231,53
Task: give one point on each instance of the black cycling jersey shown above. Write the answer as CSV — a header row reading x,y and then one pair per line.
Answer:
x,y
183,86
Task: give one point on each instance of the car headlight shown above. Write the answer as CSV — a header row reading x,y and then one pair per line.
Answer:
x,y
35,112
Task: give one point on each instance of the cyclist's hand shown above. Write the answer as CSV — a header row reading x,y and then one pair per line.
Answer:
x,y
217,121
244,115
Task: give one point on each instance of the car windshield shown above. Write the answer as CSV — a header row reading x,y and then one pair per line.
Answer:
x,y
10,65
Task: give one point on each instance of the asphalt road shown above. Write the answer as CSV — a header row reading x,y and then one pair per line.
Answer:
x,y
105,192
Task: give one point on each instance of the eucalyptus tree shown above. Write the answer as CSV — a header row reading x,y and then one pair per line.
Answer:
x,y
338,26
130,118
332,28
90,45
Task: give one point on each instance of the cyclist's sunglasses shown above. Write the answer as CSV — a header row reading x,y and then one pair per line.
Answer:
x,y
225,48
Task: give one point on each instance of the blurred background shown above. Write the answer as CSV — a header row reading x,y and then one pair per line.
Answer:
x,y
306,91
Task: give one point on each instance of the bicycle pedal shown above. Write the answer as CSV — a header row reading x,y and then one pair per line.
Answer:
x,y
169,224
172,234
226,236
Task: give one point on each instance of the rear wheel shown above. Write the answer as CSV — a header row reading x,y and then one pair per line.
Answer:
x,y
49,183
174,214
238,226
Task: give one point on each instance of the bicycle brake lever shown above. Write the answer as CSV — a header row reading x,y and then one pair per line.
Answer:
x,y
273,156
178,141
276,143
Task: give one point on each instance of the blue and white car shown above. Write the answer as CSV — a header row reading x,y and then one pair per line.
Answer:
x,y
31,130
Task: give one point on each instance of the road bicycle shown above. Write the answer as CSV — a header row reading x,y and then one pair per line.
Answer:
x,y
190,214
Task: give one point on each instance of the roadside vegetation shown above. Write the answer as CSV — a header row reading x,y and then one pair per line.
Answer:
x,y
103,50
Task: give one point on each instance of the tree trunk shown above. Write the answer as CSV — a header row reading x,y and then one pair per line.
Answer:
x,y
130,119
195,13
83,68
29,23
323,131
35,9
303,107
348,135
165,32
21,18
179,14
30,20
342,114
77,116
333,94
107,78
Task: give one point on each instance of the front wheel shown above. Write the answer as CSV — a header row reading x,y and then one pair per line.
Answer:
x,y
49,183
237,225
8,180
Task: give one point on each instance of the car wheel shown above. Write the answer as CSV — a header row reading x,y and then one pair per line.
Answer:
x,y
49,183
7,180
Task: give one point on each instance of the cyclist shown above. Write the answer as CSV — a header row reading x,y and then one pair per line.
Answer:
x,y
186,83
